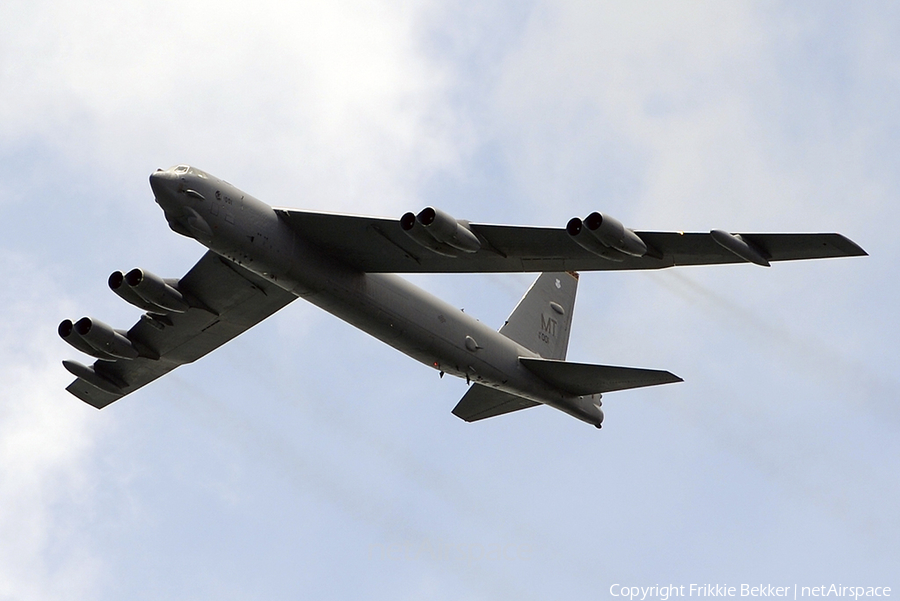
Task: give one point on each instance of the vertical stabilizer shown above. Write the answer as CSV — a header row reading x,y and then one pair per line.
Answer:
x,y
541,320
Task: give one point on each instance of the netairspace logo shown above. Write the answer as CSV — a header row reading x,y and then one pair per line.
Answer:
x,y
666,592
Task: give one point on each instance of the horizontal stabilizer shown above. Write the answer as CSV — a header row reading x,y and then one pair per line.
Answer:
x,y
583,378
481,402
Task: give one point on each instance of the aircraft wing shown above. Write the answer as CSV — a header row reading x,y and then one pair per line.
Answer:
x,y
236,300
379,245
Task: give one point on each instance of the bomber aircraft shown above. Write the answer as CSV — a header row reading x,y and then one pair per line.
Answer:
x,y
261,258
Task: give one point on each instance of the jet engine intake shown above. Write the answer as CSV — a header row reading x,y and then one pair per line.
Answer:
x,y
67,332
103,338
155,290
441,228
612,233
117,284
586,240
420,235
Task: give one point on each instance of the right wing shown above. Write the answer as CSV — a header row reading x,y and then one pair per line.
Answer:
x,y
379,245
236,300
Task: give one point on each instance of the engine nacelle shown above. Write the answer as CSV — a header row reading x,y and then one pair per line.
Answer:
x,y
117,284
105,339
611,233
148,291
441,228
156,290
586,240
67,332
415,230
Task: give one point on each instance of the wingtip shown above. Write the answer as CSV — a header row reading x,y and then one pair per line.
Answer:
x,y
852,248
675,379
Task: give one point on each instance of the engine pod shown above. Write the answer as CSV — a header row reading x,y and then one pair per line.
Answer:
x,y
448,230
105,339
613,234
415,230
156,291
118,285
66,331
586,240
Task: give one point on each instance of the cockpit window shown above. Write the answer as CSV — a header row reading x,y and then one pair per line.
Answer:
x,y
182,169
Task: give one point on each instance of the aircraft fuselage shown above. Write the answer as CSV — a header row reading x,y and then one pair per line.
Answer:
x,y
250,233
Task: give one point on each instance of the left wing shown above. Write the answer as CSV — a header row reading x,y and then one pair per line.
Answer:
x,y
379,245
233,301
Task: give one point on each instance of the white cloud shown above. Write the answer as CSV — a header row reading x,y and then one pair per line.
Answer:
x,y
648,89
46,444
700,115
335,96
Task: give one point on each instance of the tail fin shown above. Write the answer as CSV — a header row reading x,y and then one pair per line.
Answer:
x,y
542,319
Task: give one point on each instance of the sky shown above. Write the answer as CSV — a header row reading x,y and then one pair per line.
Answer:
x,y
306,459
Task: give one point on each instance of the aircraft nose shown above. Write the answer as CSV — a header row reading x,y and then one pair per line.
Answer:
x,y
160,181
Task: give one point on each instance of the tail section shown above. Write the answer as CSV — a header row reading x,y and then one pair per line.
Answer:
x,y
541,323
542,319
583,381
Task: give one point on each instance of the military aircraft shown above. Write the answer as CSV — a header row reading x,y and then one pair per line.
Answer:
x,y
261,258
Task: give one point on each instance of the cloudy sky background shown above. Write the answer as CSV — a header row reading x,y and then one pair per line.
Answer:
x,y
306,458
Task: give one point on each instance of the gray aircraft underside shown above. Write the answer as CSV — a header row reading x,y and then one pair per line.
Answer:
x,y
261,258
